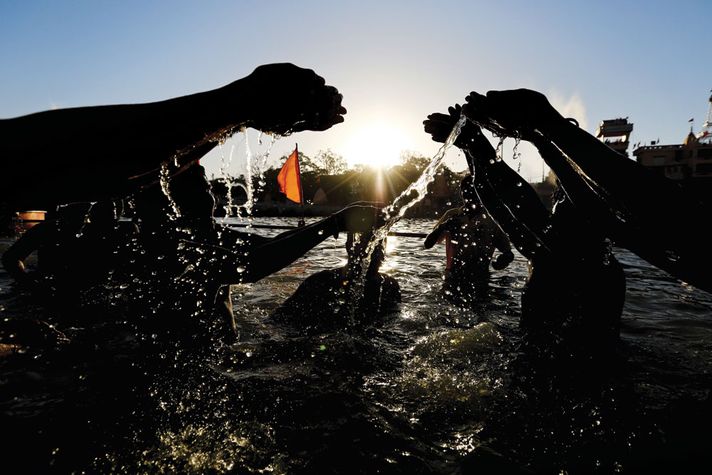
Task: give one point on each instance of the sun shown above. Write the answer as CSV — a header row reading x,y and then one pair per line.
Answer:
x,y
377,145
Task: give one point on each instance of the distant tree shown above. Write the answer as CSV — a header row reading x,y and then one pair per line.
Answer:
x,y
306,164
329,163
414,160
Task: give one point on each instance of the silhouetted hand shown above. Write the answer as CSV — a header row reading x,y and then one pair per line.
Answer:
x,y
359,219
471,140
517,112
432,239
287,98
503,260
439,126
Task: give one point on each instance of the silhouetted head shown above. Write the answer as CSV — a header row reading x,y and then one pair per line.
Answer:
x,y
103,215
356,248
73,213
151,208
469,194
191,193
189,190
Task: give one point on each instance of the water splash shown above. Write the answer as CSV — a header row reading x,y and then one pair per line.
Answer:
x,y
415,192
164,175
418,189
86,220
499,150
260,163
227,179
516,155
248,177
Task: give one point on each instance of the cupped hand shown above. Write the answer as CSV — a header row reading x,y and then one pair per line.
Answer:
x,y
440,125
286,98
516,112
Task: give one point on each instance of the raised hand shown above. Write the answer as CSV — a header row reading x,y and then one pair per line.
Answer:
x,y
286,98
440,125
470,140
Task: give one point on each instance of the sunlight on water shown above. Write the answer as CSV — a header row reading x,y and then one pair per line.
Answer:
x,y
415,192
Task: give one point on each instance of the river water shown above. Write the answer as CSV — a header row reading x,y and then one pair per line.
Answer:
x,y
436,387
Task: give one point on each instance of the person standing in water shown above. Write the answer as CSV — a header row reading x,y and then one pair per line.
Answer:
x,y
660,220
325,300
185,266
573,298
76,252
471,238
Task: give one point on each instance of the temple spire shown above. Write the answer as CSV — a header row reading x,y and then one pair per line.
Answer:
x,y
705,135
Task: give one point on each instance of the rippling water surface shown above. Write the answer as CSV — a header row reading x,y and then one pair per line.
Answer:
x,y
436,387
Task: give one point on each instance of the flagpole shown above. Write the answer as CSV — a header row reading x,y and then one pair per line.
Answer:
x,y
301,221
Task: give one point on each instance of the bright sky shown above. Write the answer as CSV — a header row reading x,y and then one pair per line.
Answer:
x,y
394,61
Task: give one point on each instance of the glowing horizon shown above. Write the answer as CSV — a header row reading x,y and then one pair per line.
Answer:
x,y
377,145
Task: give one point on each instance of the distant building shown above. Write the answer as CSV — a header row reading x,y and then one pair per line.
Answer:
x,y
689,161
616,134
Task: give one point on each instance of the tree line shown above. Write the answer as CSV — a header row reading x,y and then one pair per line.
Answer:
x,y
328,184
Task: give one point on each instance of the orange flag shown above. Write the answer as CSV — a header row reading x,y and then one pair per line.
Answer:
x,y
290,179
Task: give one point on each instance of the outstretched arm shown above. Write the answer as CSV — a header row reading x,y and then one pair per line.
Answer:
x,y
13,259
110,144
443,225
509,200
648,214
576,154
502,244
271,255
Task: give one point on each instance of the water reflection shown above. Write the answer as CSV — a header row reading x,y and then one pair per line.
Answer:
x,y
438,388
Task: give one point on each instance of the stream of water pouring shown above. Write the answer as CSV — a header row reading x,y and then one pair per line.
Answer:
x,y
227,179
255,168
396,210
260,164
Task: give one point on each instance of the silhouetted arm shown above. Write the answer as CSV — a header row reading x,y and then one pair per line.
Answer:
x,y
445,224
75,148
501,203
282,250
648,214
13,258
254,259
502,244
509,200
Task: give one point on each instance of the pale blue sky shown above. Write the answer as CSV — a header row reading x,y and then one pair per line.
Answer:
x,y
394,61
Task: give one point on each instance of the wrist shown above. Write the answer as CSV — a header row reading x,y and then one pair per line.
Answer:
x,y
240,99
552,124
335,226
